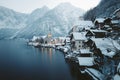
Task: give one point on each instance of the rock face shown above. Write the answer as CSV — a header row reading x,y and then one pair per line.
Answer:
x,y
41,21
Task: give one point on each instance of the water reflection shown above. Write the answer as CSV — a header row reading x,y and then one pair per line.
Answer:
x,y
48,52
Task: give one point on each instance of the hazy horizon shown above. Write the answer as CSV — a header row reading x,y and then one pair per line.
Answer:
x,y
29,5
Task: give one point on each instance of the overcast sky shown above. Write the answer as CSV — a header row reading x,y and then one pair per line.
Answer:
x,y
27,6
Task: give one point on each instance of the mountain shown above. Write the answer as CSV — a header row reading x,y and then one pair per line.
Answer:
x,y
11,19
58,21
37,13
41,21
104,9
10,22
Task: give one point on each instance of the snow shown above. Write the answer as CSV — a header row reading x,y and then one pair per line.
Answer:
x,y
118,67
86,61
100,20
36,44
35,38
98,31
79,36
107,26
106,53
67,39
44,36
76,52
95,74
65,49
84,24
117,46
114,21
85,51
116,77
105,44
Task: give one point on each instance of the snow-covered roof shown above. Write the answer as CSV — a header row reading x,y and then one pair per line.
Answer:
x,y
85,51
99,20
85,61
95,73
84,24
98,30
105,44
116,77
115,21
35,38
44,36
67,39
116,45
107,26
62,38
79,36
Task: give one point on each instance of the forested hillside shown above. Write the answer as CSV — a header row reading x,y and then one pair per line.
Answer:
x,y
104,9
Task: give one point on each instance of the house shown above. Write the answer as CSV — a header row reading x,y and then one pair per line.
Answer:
x,y
115,24
100,22
102,46
96,33
107,28
85,53
81,26
78,40
86,58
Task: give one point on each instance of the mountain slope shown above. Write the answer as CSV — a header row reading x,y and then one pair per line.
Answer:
x,y
11,19
36,14
57,21
104,9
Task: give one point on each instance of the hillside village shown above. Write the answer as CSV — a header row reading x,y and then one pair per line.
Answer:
x,y
94,46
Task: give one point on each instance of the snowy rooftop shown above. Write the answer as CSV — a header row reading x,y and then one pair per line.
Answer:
x,y
114,21
62,38
95,73
44,36
117,77
105,45
79,36
98,30
84,23
85,51
86,61
100,20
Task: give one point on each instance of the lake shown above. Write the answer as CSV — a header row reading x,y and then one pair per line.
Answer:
x,y
18,61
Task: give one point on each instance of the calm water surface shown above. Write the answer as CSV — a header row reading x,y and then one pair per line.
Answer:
x,y
21,62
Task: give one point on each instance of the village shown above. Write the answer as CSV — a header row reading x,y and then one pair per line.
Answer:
x,y
94,46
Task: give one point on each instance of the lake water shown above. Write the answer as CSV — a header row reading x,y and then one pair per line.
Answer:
x,y
18,61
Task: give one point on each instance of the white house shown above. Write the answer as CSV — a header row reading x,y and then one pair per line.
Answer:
x,y
77,40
